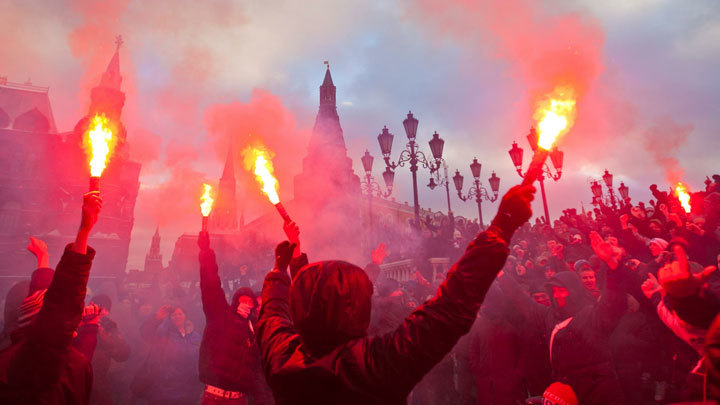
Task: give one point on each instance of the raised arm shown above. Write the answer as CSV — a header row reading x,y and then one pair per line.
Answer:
x,y
213,297
276,334
397,361
40,359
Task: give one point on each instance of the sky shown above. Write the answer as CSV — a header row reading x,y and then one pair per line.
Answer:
x,y
199,73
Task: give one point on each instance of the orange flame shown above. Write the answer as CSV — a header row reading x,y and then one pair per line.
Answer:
x,y
98,143
259,161
555,115
682,194
207,201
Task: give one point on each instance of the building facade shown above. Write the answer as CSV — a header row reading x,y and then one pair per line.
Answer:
x,y
44,174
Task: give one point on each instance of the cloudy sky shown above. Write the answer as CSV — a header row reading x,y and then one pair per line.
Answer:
x,y
196,73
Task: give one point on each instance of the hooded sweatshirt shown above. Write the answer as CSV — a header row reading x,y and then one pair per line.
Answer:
x,y
313,339
579,333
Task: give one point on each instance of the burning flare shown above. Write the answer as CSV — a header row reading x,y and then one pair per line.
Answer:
x,y
207,201
682,194
263,169
98,143
555,115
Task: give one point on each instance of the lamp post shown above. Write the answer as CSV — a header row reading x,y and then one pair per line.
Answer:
x,y
610,200
411,154
369,186
556,157
477,190
608,179
443,182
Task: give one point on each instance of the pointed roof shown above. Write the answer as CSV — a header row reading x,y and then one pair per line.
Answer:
x,y
229,170
112,77
157,231
328,78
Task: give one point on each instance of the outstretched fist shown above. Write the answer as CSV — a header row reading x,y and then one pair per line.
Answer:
x,y
283,255
92,204
515,208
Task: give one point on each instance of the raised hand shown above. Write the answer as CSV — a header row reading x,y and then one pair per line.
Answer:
x,y
292,231
92,204
164,312
651,286
379,253
515,208
283,255
605,250
38,248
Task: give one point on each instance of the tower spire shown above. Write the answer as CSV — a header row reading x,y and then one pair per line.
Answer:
x,y
112,78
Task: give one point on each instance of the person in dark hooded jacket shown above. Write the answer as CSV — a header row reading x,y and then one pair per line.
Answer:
x,y
229,356
41,366
580,330
312,333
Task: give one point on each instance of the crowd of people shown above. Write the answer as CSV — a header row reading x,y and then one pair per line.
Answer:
x,y
614,306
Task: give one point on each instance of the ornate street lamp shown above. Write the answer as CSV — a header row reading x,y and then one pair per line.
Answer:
x,y
477,190
412,155
597,192
369,186
624,191
556,157
608,179
610,200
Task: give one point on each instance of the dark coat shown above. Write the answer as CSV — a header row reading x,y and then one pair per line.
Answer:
x,y
42,366
315,351
172,362
110,346
580,351
229,356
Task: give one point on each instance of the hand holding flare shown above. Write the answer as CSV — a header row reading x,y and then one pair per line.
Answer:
x,y
555,115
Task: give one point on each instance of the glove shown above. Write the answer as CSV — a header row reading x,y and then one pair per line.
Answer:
x,y
283,255
514,209
204,241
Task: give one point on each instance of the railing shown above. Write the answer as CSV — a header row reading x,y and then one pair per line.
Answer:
x,y
402,270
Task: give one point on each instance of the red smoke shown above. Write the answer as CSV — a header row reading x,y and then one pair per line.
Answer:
x,y
542,50
263,120
662,140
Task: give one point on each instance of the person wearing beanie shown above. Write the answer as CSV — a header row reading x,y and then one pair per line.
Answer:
x,y
657,245
313,323
559,394
42,366
229,361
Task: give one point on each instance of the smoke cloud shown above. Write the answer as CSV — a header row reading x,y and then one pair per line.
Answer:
x,y
662,141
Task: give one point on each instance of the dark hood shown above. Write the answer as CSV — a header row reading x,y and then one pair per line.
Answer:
x,y
330,305
248,292
578,296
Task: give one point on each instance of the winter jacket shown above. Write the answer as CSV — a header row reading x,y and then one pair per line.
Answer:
x,y
172,362
315,350
229,356
579,338
110,346
41,366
